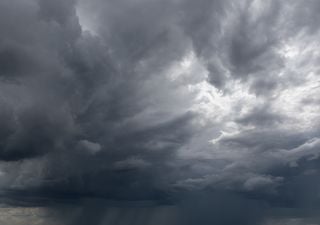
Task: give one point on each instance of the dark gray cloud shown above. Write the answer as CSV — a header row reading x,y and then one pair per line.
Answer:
x,y
207,103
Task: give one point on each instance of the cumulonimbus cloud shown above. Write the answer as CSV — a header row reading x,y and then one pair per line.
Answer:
x,y
150,99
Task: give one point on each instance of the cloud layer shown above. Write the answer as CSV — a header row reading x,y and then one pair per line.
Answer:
x,y
159,100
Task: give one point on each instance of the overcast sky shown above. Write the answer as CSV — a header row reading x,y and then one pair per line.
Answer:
x,y
203,108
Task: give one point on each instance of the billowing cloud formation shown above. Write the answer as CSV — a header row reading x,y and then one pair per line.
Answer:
x,y
159,100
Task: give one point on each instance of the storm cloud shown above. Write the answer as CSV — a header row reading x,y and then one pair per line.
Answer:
x,y
200,112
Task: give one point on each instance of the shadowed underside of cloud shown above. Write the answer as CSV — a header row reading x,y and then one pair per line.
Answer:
x,y
162,101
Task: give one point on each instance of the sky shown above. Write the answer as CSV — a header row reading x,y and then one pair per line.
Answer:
x,y
160,112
